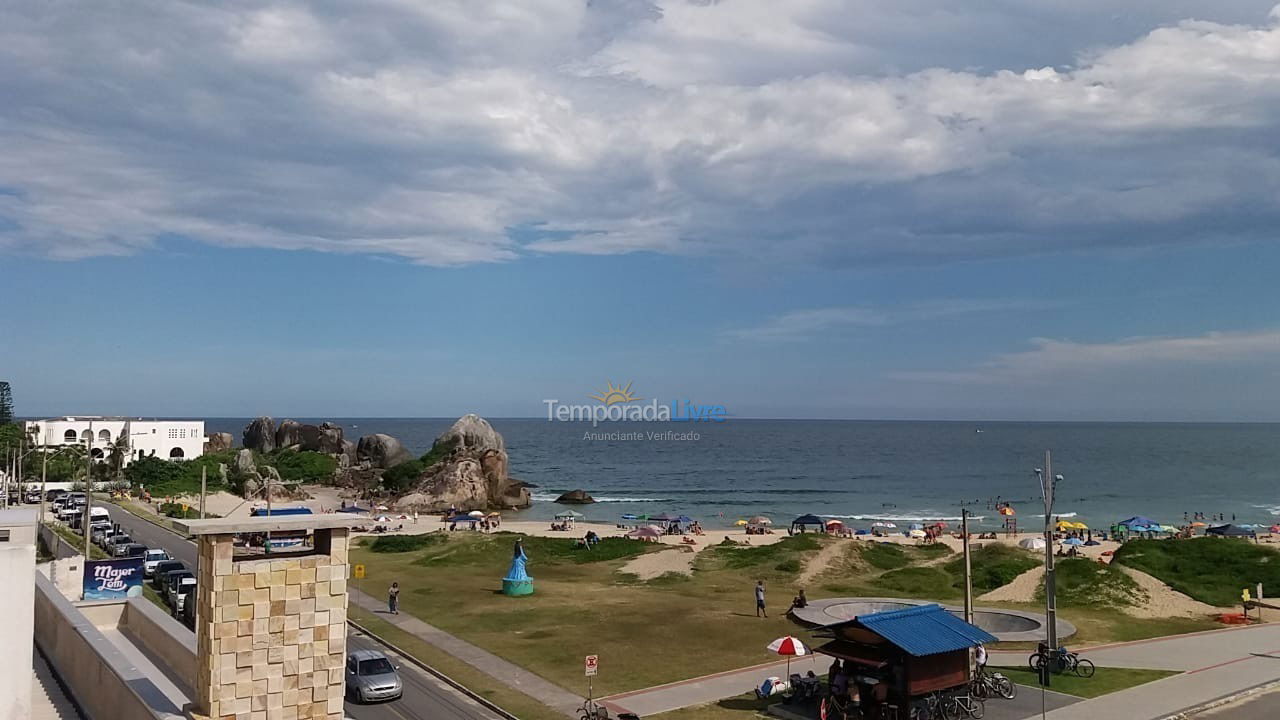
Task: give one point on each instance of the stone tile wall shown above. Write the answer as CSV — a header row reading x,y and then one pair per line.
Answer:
x,y
271,633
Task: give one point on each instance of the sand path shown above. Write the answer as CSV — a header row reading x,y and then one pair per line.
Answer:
x,y
820,562
1020,589
652,565
1162,600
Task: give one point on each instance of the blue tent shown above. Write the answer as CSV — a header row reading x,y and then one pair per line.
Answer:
x,y
463,518
353,509
1137,521
684,519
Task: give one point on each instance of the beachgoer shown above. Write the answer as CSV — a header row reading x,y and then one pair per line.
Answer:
x,y
415,517
760,599
393,599
799,601
980,657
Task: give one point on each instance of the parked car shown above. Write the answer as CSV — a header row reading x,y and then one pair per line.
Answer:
x,y
160,572
96,531
171,584
371,676
185,590
32,496
54,494
130,550
151,559
102,538
115,541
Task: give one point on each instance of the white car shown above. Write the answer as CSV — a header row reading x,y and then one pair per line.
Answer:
x,y
151,559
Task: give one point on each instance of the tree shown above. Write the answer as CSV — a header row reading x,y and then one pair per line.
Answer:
x,y
6,403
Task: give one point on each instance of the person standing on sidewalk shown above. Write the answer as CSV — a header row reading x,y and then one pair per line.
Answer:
x,y
760,612
393,599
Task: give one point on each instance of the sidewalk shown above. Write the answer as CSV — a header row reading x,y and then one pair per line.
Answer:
x,y
709,688
500,670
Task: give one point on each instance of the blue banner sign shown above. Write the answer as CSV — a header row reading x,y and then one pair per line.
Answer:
x,y
113,579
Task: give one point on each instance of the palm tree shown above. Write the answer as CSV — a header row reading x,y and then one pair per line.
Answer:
x,y
117,454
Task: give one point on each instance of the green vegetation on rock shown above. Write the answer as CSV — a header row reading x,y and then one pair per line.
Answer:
x,y
401,478
303,466
163,477
993,566
884,556
1211,570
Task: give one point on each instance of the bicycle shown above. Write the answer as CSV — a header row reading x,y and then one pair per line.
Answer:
x,y
958,706
591,710
985,685
1063,662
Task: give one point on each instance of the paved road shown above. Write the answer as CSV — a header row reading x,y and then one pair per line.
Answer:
x,y
426,697
1263,705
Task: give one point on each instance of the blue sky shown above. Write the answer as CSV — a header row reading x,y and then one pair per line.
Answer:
x,y
431,209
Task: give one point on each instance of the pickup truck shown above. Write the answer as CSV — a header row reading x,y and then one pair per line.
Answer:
x,y
151,559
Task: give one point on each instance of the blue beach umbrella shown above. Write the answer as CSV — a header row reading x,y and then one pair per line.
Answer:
x,y
1073,541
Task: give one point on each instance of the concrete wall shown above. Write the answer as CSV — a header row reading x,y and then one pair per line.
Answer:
x,y
59,547
168,641
18,569
97,674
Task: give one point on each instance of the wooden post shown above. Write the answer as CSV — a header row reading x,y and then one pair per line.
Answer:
x,y
203,473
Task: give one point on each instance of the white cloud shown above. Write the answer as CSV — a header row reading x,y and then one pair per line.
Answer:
x,y
1059,362
813,323
781,132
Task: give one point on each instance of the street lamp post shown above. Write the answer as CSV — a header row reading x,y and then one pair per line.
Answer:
x,y
88,495
1048,482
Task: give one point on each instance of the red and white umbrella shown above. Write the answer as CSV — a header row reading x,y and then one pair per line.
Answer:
x,y
789,646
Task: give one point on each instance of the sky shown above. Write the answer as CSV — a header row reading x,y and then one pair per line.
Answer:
x,y
811,209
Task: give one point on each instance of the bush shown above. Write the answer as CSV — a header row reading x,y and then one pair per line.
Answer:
x,y
758,555
788,566
304,466
993,566
438,452
406,543
884,556
1087,583
402,477
1211,570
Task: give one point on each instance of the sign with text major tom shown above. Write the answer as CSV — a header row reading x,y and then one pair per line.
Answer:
x,y
113,579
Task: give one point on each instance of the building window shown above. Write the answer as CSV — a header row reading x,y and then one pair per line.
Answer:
x,y
86,436
69,436
173,434
176,453
104,435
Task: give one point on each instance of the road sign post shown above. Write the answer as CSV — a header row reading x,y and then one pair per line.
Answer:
x,y
590,665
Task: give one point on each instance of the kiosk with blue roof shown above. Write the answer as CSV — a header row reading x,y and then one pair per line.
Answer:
x,y
896,657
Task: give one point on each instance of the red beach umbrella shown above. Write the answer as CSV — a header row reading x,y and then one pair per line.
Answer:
x,y
789,646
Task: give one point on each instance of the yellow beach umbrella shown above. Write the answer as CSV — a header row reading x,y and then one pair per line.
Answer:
x,y
741,522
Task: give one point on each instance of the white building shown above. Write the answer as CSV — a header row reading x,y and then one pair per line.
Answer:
x,y
173,439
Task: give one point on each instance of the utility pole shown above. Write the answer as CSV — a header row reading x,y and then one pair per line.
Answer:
x,y
88,495
44,478
968,571
1047,483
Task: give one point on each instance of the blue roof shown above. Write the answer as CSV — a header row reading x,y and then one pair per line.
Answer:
x,y
262,512
925,630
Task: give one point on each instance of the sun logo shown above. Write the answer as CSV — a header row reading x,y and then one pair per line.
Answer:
x,y
613,395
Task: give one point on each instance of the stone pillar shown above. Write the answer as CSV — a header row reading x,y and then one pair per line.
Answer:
x,y
271,634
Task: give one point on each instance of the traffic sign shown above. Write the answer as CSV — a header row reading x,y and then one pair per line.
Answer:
x,y
357,572
592,664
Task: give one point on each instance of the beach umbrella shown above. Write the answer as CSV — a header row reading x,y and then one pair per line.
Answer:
x,y
1073,541
647,532
759,520
1198,524
382,507
1275,528
476,513
883,524
1136,522
916,526
1066,525
916,533
684,519
790,647
494,514
569,515
1031,543
1092,542
740,523
835,523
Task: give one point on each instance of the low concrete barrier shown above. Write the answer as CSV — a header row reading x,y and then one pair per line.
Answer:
x,y
167,641
104,683
57,546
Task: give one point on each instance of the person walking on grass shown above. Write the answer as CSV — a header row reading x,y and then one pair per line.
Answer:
x,y
393,599
760,612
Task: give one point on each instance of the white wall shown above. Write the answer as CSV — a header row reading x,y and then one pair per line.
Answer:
x,y
160,438
17,612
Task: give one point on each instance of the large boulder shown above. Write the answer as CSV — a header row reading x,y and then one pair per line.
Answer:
x,y
289,434
218,442
260,435
381,451
244,463
576,497
468,469
324,438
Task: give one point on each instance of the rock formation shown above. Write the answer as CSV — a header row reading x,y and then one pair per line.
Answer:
x,y
288,433
468,470
244,462
381,451
576,497
260,435
218,442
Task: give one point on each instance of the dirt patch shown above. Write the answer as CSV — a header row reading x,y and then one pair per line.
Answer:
x,y
652,565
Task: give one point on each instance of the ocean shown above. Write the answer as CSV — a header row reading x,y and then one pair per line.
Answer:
x,y
872,470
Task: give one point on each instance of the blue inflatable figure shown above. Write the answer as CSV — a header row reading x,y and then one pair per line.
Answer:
x,y
517,582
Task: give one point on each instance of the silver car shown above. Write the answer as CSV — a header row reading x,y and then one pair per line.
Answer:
x,y
371,677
